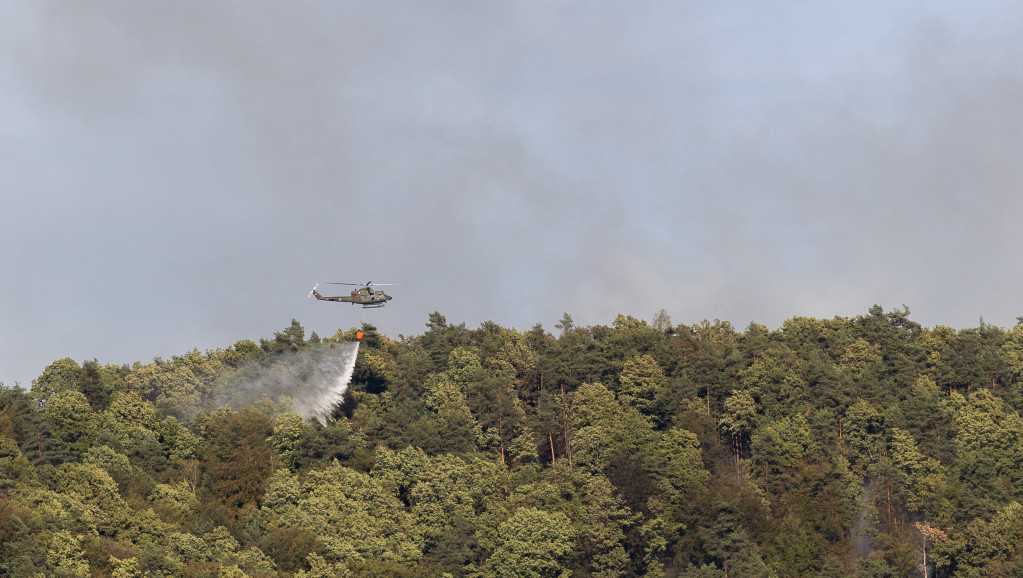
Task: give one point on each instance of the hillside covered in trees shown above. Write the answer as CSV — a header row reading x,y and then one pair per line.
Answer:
x,y
866,446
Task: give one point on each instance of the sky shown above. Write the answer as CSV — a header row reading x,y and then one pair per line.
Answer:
x,y
177,176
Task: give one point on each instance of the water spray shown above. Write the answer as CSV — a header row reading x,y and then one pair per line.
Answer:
x,y
328,389
314,379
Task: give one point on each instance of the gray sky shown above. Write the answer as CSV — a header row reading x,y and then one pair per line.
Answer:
x,y
177,175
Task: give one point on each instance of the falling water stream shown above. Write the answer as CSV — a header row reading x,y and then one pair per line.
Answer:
x,y
333,373
313,380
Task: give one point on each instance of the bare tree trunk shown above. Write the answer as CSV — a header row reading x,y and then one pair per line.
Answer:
x,y
551,439
888,489
190,471
500,433
736,445
925,557
564,424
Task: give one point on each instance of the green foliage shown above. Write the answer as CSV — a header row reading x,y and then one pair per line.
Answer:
x,y
61,375
288,434
237,460
352,516
779,449
729,548
604,519
1011,352
641,382
532,543
15,469
607,438
291,339
64,556
985,547
922,477
827,447
989,451
450,424
70,422
864,433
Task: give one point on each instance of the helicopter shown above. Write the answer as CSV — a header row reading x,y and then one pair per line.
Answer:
x,y
365,295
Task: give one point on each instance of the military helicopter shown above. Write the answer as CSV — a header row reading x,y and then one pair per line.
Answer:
x,y
365,295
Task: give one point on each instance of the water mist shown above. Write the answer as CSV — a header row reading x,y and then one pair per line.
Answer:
x,y
314,380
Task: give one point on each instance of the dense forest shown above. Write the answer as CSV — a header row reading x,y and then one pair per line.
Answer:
x,y
867,446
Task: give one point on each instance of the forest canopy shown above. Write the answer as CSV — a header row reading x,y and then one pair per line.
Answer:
x,y
864,446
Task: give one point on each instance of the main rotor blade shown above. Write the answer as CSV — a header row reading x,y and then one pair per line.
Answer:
x,y
366,284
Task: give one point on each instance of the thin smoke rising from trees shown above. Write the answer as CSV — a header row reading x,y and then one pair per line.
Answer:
x,y
311,381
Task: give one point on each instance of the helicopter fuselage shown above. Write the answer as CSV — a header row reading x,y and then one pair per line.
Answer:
x,y
366,296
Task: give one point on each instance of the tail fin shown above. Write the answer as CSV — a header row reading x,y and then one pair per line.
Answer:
x,y
313,292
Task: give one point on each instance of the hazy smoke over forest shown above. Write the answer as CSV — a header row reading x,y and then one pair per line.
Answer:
x,y
314,380
739,161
